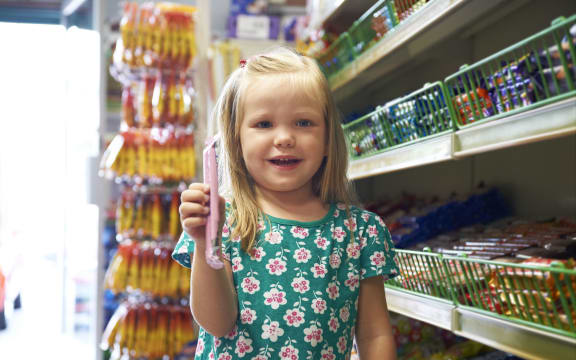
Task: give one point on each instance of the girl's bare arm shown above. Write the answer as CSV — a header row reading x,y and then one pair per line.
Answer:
x,y
212,296
373,330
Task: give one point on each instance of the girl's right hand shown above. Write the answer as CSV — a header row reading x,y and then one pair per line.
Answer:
x,y
194,208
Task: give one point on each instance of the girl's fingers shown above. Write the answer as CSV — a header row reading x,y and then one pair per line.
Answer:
x,y
193,222
192,209
194,196
200,186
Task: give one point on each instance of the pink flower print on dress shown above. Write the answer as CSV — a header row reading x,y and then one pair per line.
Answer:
x,y
232,334
272,331
211,355
336,213
225,356
274,298
378,259
380,221
247,316
350,224
250,285
321,242
333,291
237,264
302,255
200,346
328,354
353,250
319,270
342,342
334,260
299,232
363,242
344,313
353,281
288,353
319,306
257,253
341,206
225,231
243,346
217,342
339,234
313,335
333,324
365,216
261,225
300,285
226,256
294,317
372,231
276,266
273,237
259,357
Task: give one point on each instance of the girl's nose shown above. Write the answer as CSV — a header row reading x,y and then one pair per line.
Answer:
x,y
284,139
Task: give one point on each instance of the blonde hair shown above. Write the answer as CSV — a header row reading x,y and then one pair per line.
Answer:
x,y
330,182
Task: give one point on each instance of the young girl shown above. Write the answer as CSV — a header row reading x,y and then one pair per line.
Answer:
x,y
304,268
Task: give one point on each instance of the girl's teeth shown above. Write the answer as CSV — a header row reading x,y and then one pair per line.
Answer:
x,y
284,161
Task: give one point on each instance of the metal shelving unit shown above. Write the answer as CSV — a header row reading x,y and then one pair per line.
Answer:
x,y
435,22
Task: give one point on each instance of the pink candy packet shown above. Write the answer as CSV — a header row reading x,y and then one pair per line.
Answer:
x,y
213,249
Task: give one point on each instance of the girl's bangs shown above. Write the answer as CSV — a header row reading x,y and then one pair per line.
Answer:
x,y
308,84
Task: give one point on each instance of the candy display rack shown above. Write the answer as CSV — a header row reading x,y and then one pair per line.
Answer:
x,y
151,159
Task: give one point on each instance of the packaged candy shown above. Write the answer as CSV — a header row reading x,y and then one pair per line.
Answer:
x,y
474,105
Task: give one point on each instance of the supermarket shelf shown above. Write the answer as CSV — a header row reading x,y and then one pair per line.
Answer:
x,y
433,311
548,122
508,336
427,152
420,32
340,14
520,340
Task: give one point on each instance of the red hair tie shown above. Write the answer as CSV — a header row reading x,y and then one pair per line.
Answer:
x,y
242,63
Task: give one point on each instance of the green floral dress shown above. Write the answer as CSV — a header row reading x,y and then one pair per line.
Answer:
x,y
298,289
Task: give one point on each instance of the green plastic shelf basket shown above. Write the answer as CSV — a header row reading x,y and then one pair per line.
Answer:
x,y
373,25
404,8
423,273
420,115
540,296
534,72
337,55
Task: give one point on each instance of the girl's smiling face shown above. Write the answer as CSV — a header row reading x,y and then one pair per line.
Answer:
x,y
283,135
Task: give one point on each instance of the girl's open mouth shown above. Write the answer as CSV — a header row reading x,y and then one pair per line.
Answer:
x,y
284,162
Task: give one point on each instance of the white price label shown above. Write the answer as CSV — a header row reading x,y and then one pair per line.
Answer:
x,y
253,27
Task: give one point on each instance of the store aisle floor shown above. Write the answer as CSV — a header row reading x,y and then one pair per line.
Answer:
x,y
35,330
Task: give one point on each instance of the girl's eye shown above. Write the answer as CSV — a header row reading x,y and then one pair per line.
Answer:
x,y
263,124
304,123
